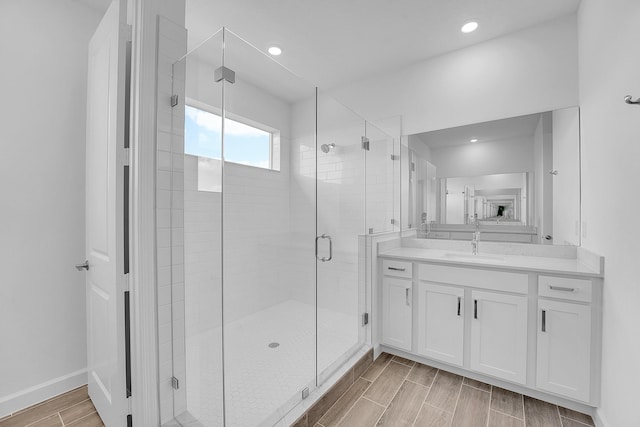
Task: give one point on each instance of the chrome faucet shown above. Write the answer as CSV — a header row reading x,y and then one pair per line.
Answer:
x,y
476,236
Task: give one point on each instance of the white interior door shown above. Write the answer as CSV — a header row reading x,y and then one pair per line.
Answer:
x,y
105,158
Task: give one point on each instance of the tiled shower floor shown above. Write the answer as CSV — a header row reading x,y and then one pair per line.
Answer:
x,y
261,379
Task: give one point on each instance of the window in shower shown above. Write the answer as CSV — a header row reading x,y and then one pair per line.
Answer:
x,y
244,144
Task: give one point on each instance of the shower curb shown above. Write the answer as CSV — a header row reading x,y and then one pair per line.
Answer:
x,y
313,415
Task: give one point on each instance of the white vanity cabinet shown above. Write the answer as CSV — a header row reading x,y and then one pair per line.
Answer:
x,y
528,328
499,335
397,303
564,337
441,322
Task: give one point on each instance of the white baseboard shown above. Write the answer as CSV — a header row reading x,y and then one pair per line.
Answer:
x,y
598,418
41,392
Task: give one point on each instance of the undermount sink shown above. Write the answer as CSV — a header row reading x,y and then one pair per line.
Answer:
x,y
471,257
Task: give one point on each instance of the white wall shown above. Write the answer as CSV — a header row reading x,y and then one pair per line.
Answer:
x,y
43,44
521,73
608,36
486,158
418,146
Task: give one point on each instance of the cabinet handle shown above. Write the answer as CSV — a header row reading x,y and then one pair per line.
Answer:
x,y
561,288
396,268
406,293
544,320
475,308
459,305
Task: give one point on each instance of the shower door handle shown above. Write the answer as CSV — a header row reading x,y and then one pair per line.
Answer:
x,y
325,259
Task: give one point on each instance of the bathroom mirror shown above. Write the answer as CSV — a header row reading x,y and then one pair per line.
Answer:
x,y
516,179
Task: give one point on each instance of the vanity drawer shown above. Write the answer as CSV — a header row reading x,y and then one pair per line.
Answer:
x,y
397,268
565,288
485,279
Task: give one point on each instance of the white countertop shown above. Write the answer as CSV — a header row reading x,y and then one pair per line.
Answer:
x,y
539,264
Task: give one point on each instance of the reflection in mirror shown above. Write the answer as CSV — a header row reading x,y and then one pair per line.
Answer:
x,y
488,199
517,179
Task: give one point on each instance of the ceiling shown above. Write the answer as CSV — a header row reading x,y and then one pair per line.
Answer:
x,y
512,129
333,42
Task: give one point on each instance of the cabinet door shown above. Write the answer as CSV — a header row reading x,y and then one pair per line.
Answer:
x,y
499,335
396,313
564,348
441,322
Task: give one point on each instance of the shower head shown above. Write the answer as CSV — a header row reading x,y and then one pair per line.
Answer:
x,y
327,147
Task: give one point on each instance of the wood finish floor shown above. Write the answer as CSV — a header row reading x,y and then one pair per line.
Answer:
x,y
398,392
392,392
73,408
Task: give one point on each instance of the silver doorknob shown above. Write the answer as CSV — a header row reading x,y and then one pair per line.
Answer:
x,y
548,237
83,266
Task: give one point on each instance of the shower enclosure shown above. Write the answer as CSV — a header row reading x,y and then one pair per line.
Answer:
x,y
274,186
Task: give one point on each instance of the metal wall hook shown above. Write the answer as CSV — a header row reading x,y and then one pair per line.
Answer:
x,y
629,100
83,266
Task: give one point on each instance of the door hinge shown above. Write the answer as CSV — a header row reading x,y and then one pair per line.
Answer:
x,y
394,157
174,100
224,73
129,420
393,221
175,384
365,143
365,319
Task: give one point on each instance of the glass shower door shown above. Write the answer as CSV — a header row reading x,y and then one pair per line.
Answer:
x,y
196,222
340,221
268,268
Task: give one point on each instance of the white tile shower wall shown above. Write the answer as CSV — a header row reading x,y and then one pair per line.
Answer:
x,y
380,184
340,196
302,218
258,265
340,214
256,237
172,40
202,244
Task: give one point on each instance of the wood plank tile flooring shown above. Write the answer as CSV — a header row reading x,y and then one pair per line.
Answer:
x,y
398,392
73,408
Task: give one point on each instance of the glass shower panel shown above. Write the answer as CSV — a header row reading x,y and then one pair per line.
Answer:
x,y
197,316
340,218
268,236
382,161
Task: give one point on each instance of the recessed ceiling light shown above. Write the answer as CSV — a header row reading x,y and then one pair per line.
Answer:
x,y
275,51
473,140
469,27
